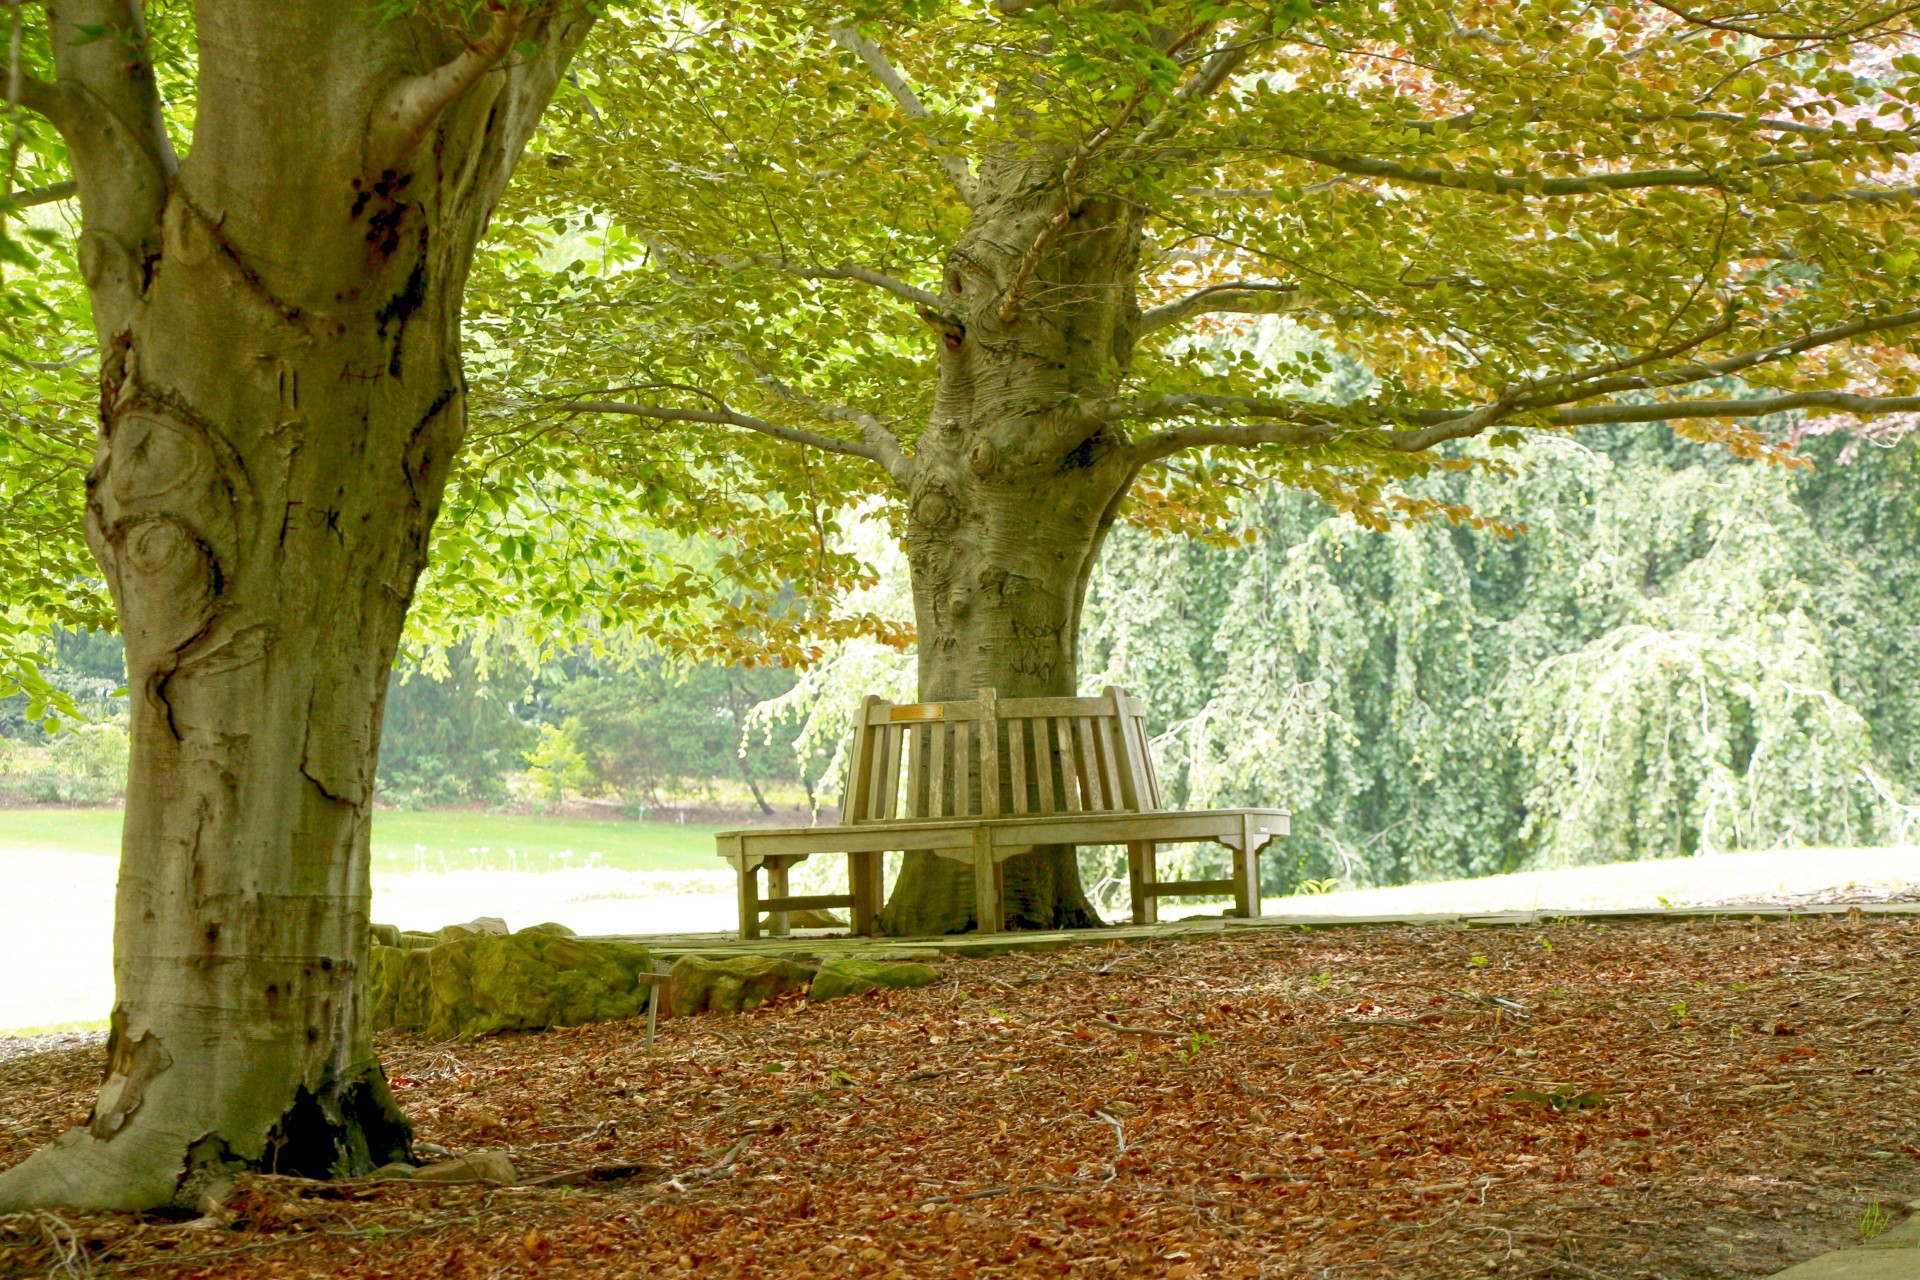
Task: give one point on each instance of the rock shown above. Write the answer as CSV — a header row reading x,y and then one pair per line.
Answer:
x,y
478,927
735,985
487,1166
558,930
855,976
414,940
807,920
387,935
397,1171
528,981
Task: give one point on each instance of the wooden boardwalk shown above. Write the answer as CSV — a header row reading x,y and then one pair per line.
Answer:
x,y
822,943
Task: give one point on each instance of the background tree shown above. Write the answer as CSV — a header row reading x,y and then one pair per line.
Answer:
x,y
1681,654
280,395
970,258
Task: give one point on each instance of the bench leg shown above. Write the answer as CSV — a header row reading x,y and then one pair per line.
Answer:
x,y
863,878
986,882
1246,884
1246,872
749,903
1146,909
779,924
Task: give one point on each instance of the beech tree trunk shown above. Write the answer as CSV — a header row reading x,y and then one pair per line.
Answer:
x,y
280,399
1014,488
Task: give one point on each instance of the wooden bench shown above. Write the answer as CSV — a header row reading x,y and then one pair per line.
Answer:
x,y
1073,771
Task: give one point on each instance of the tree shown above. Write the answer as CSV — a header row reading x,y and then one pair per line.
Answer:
x,y
1683,653
979,260
280,395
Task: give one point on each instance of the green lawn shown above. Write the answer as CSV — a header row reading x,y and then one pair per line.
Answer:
x,y
62,830
418,841
430,841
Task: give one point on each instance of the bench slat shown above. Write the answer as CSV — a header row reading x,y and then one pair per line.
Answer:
x,y
1069,768
1043,764
916,801
1017,762
808,902
937,781
1172,888
896,759
915,712
989,754
1093,786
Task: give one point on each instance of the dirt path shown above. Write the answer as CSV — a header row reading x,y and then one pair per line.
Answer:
x,y
1368,1102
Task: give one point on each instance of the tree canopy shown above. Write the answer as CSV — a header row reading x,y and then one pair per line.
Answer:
x,y
1512,216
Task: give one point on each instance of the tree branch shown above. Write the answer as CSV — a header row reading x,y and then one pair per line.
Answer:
x,y
849,271
1791,37
1584,386
1666,410
884,443
1507,184
1248,297
850,39
410,108
49,101
728,418
48,366
1308,424
1204,84
106,104
1473,119
44,195
922,300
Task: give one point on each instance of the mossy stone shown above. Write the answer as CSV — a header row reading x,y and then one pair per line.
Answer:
x,y
734,985
856,975
386,935
527,981
559,930
478,927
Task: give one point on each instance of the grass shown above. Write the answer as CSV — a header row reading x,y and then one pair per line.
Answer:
x,y
58,1028
404,842
63,830
501,842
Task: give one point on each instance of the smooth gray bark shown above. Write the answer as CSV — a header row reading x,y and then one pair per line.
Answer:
x,y
280,400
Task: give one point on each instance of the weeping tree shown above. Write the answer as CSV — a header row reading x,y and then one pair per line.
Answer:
x,y
981,262
274,207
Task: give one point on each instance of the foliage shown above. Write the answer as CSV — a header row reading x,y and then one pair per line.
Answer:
x,y
649,728
1678,654
453,736
1499,212
823,698
83,764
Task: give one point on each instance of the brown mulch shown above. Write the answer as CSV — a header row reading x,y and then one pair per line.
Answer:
x,y
1674,1100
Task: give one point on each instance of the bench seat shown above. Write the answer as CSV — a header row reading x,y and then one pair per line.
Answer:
x,y
985,843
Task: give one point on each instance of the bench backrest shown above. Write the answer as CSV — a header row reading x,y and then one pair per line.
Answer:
x,y
1043,756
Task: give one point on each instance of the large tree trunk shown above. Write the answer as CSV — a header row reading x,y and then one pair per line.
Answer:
x,y
281,397
1014,489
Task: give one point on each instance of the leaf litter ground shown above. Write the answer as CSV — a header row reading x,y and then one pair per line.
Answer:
x,y
1714,1098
